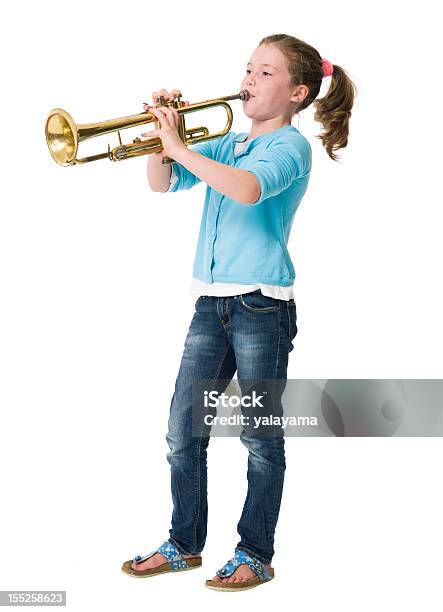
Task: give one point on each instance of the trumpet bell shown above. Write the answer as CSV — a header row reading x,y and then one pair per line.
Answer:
x,y
61,136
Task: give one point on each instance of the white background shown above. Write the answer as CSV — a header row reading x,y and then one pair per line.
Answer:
x,y
94,309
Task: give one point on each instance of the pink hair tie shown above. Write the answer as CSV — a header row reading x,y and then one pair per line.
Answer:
x,y
327,67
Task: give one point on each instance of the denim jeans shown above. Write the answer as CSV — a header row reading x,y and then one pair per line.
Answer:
x,y
251,334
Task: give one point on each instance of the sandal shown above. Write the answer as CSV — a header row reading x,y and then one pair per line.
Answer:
x,y
175,562
262,573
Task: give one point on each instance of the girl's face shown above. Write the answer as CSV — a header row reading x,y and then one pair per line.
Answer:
x,y
267,80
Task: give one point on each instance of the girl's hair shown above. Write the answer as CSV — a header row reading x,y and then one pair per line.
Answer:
x,y
333,111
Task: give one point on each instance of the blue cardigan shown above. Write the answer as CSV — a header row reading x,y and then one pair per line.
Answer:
x,y
247,243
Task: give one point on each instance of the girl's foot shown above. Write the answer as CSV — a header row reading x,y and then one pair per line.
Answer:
x,y
155,561
242,573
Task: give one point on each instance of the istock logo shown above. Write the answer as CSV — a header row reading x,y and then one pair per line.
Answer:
x,y
212,399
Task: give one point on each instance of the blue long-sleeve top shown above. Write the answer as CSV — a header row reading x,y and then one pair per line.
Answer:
x,y
247,243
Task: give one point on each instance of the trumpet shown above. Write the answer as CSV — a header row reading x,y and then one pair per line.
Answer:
x,y
63,135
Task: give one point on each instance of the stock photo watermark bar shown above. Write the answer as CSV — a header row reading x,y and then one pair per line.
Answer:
x,y
312,407
32,598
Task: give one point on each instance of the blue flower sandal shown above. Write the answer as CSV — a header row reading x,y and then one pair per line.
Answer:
x,y
262,573
175,562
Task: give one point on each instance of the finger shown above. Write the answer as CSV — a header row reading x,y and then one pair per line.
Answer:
x,y
160,92
150,134
172,116
165,93
162,111
155,110
169,114
173,94
158,95
159,114
158,111
166,110
176,117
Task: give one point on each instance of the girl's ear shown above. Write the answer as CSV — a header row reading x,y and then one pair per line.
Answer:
x,y
300,93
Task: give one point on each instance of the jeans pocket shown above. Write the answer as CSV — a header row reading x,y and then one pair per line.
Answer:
x,y
257,302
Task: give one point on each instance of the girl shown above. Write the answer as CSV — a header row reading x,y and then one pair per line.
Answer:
x,y
245,314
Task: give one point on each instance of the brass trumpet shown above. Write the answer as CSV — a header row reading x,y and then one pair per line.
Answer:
x,y
63,135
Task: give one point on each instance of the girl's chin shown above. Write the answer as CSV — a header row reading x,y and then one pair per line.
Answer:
x,y
248,107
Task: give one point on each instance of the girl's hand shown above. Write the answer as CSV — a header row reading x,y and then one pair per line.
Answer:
x,y
169,120
157,95
168,130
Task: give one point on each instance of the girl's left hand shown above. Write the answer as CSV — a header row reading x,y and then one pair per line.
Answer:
x,y
168,131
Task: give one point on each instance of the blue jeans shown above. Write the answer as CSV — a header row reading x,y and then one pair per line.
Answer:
x,y
251,334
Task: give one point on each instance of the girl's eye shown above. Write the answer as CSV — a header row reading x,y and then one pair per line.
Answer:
x,y
248,71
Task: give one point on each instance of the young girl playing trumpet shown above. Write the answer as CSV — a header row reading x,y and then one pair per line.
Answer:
x,y
243,276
